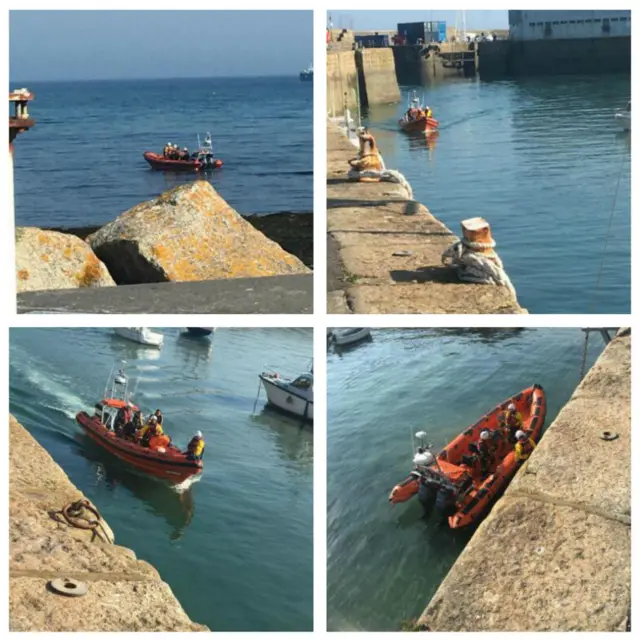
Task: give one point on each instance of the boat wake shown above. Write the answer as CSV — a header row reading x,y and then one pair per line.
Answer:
x,y
56,391
185,485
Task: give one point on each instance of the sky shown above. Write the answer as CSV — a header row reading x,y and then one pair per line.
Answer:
x,y
97,45
387,20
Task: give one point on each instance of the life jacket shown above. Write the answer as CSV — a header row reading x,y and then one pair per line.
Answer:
x,y
484,447
513,419
524,449
196,446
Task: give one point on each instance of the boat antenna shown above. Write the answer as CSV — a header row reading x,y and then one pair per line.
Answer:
x,y
106,386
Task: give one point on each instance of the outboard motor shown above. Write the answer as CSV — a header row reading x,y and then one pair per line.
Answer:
x,y
427,494
446,501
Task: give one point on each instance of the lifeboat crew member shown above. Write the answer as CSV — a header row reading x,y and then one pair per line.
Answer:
x,y
195,448
150,428
123,417
368,160
524,447
165,151
428,112
512,422
185,154
159,416
485,450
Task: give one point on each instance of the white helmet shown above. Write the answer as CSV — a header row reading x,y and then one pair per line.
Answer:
x,y
169,143
511,407
424,459
198,434
520,435
153,419
484,435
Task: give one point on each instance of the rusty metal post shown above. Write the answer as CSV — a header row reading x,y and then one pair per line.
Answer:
x,y
476,236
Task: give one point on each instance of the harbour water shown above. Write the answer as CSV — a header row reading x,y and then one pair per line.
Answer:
x,y
541,160
385,562
236,547
82,163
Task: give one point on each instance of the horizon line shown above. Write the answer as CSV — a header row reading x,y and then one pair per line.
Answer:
x,y
249,77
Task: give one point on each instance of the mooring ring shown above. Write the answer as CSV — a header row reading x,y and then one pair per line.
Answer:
x,y
609,435
69,587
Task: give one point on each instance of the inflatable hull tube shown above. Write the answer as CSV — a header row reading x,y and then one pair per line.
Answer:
x,y
163,461
477,491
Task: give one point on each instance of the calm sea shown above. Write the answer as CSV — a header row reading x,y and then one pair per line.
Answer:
x,y
385,562
237,546
541,160
82,163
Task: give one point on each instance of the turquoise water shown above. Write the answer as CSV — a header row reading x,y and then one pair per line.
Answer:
x,y
385,562
237,546
540,159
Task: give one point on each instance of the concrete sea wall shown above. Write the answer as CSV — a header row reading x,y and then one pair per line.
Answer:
x,y
377,76
384,250
342,80
554,554
123,593
367,73
554,57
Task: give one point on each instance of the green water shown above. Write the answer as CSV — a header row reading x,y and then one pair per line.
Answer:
x,y
385,562
237,546
541,159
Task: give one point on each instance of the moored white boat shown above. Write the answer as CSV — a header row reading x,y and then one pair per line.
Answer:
x,y
623,118
141,335
292,396
349,336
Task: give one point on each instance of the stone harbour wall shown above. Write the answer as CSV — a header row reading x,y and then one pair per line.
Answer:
x,y
123,593
384,250
554,554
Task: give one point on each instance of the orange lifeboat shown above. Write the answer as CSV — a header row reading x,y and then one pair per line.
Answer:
x,y
160,459
453,482
420,123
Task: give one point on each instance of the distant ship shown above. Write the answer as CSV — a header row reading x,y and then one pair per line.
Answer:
x,y
307,74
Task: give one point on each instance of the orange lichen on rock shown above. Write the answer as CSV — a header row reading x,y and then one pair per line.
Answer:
x,y
67,263
91,273
188,233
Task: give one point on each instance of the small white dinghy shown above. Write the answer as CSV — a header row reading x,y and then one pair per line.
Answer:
x,y
350,336
623,118
292,396
141,335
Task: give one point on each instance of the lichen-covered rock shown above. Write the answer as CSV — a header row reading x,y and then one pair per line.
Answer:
x,y
51,260
188,233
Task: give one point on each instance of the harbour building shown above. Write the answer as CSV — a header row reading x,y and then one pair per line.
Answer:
x,y
563,25
560,42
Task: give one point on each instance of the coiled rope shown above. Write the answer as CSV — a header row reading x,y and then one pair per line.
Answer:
x,y
475,267
74,515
